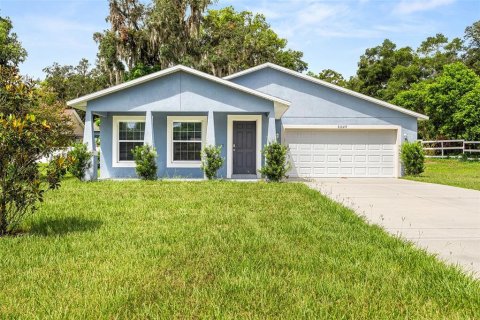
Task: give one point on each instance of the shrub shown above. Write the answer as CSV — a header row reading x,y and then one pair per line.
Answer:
x,y
29,131
212,160
145,159
276,163
80,160
413,158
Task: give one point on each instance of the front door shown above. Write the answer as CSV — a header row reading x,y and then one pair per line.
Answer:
x,y
244,147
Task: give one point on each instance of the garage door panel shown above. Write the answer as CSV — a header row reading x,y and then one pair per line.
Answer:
x,y
318,171
319,147
345,153
360,171
387,171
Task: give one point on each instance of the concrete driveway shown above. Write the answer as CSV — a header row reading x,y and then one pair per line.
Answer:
x,y
442,219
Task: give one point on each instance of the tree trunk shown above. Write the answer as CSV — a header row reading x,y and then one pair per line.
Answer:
x,y
3,217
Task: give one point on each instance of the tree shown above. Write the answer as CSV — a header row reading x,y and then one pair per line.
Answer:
x,y
384,71
28,132
11,51
69,82
447,100
145,38
160,34
376,66
472,49
231,41
435,52
331,76
468,116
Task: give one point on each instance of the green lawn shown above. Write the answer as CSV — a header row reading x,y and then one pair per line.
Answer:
x,y
451,172
136,249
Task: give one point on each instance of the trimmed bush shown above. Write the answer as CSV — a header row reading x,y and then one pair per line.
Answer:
x,y
80,160
145,159
413,158
212,161
276,163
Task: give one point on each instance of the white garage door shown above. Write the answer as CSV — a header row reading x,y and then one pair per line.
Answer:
x,y
342,153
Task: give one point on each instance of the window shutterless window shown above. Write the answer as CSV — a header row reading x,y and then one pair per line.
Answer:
x,y
130,135
187,141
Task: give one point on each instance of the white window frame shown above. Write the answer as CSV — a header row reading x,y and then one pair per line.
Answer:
x,y
116,141
183,164
243,117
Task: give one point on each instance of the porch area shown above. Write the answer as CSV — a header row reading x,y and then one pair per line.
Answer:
x,y
179,138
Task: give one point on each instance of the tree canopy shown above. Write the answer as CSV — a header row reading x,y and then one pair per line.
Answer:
x,y
11,51
449,101
144,38
69,82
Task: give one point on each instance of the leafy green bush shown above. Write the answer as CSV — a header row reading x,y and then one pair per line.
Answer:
x,y
413,158
145,159
276,163
80,160
212,160
56,169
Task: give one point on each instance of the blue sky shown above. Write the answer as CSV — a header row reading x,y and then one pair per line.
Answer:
x,y
332,34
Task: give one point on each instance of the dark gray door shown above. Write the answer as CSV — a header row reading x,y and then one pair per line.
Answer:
x,y
244,147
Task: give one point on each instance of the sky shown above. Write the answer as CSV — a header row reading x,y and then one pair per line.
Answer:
x,y
331,33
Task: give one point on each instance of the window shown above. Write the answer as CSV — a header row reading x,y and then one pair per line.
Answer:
x,y
130,135
187,141
185,138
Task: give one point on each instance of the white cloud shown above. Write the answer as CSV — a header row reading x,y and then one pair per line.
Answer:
x,y
319,12
411,6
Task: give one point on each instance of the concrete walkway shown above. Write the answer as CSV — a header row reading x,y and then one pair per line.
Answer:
x,y
442,219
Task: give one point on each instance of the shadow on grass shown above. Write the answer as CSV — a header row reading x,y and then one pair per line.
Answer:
x,y
64,226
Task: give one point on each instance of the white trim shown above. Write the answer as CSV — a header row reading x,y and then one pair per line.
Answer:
x,y
115,120
398,129
230,120
328,85
170,121
81,102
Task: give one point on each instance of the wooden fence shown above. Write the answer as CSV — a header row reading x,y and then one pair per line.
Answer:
x,y
446,148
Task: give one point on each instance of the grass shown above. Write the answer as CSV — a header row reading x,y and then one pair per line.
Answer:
x,y
136,249
451,172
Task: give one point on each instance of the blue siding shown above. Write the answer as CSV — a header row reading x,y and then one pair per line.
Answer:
x,y
160,143
180,92
315,104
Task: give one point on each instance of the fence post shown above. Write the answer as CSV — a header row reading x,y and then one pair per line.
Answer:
x,y
463,150
441,145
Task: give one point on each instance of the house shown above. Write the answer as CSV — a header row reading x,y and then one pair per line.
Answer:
x,y
330,131
77,125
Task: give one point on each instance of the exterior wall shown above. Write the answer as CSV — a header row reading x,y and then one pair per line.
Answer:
x,y
180,92
313,104
177,94
160,143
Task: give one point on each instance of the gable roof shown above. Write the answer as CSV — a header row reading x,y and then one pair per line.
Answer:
x,y
328,85
80,103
